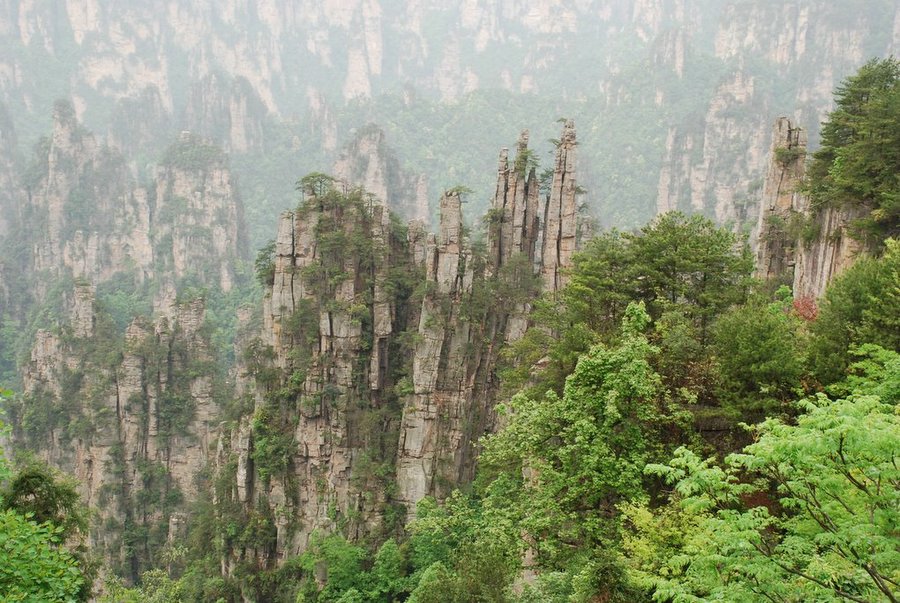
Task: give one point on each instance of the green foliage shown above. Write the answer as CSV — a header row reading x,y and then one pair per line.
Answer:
x,y
35,491
861,306
264,265
858,164
787,155
273,445
459,190
192,153
680,265
806,513
156,587
526,161
760,350
39,514
315,184
35,567
123,298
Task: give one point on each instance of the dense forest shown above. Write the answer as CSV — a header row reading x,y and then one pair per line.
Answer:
x,y
668,426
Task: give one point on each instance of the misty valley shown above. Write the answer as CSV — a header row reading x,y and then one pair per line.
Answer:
x,y
476,301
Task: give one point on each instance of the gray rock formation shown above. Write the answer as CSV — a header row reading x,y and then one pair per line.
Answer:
x,y
560,219
376,362
368,162
780,208
132,420
128,404
795,243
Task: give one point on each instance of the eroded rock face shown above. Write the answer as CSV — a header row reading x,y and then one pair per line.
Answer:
x,y
133,420
781,203
198,221
795,243
368,162
818,262
376,363
128,405
91,219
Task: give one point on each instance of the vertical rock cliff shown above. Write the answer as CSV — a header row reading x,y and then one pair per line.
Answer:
x,y
367,162
120,387
374,375
775,237
132,418
796,243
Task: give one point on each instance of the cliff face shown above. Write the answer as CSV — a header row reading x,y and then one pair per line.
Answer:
x,y
374,373
795,243
132,419
775,237
120,385
367,162
90,218
701,77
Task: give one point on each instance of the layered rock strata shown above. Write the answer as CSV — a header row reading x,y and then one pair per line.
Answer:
x,y
795,243
376,364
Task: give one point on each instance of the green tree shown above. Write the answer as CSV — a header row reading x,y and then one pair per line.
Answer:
x,y
858,164
861,306
567,462
759,349
809,512
680,265
34,564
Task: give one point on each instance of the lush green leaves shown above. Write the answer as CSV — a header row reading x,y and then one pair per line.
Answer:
x,y
808,512
859,162
33,565
861,306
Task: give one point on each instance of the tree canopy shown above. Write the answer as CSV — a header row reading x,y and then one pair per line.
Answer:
x,y
858,164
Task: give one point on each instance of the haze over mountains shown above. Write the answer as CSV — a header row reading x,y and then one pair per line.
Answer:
x,y
364,300
673,98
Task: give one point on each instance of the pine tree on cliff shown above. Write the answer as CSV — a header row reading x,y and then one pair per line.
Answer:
x,y
859,161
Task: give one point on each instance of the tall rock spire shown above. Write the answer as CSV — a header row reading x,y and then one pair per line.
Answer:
x,y
796,243
560,214
780,202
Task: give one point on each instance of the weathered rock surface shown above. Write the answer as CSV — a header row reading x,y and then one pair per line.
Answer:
x,y
378,352
781,203
795,243
131,410
132,420
88,216
368,162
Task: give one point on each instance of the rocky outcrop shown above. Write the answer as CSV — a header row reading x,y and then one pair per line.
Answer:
x,y
198,218
131,418
368,162
775,237
118,391
796,243
227,110
560,221
374,376
833,250
89,218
